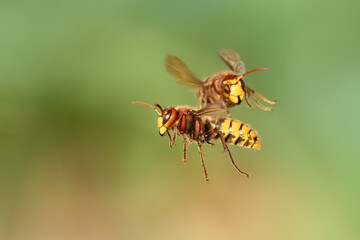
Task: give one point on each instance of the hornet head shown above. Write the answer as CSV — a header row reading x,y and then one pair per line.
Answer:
x,y
235,87
166,116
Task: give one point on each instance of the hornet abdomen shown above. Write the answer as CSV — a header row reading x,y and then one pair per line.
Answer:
x,y
235,132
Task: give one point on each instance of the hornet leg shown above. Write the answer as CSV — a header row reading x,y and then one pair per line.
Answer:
x,y
265,99
260,105
247,101
203,163
184,153
231,158
202,97
209,137
172,139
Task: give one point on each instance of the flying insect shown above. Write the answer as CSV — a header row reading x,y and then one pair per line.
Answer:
x,y
227,87
201,126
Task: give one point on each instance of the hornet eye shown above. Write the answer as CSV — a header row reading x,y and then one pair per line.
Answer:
x,y
227,89
166,117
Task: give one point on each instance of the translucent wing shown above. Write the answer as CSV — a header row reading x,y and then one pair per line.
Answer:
x,y
178,69
212,110
232,59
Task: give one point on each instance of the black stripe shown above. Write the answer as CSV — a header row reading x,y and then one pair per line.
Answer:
x,y
230,128
238,140
246,144
239,100
189,124
241,126
219,122
248,141
227,137
254,140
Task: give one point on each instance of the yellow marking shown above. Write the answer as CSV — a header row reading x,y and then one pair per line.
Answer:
x,y
236,90
162,130
225,127
235,125
235,134
226,124
241,141
245,129
232,81
159,122
233,99
257,145
245,134
244,139
252,134
242,96
225,132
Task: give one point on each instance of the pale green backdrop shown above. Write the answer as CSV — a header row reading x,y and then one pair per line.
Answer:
x,y
78,161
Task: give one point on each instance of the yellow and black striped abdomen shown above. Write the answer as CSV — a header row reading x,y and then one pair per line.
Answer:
x,y
237,133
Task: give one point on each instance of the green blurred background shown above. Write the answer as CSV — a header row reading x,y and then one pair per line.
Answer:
x,y
78,161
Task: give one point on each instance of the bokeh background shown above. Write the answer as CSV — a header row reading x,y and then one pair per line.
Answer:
x,y
78,161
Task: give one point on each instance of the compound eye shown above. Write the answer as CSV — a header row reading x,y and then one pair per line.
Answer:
x,y
166,117
227,89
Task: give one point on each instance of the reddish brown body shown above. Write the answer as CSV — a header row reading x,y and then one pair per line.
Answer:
x,y
201,127
227,87
213,89
185,121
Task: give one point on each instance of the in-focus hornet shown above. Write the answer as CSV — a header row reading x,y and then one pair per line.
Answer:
x,y
201,126
228,87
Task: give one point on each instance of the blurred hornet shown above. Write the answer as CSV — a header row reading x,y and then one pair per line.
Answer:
x,y
201,126
228,87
